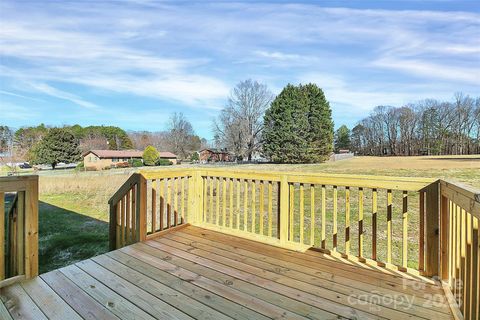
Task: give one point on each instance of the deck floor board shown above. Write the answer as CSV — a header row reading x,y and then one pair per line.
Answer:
x,y
195,273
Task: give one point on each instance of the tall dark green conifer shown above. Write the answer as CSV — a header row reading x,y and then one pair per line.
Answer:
x,y
59,145
298,126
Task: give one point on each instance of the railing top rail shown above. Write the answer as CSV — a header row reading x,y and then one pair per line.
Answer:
x,y
133,179
16,183
366,181
462,188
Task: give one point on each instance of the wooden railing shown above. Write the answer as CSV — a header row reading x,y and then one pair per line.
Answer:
x,y
423,226
18,228
460,248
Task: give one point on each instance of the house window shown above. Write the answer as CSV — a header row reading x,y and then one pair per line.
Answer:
x,y
115,159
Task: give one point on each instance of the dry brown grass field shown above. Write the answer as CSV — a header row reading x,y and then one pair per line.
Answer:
x,y
74,205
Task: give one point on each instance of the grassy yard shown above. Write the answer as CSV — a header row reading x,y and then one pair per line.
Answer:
x,y
74,206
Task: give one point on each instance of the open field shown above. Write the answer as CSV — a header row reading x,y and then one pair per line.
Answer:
x,y
74,208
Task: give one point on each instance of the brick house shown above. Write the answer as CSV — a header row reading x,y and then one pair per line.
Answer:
x,y
101,159
214,155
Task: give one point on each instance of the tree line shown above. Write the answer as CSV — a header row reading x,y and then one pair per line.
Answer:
x,y
428,127
44,144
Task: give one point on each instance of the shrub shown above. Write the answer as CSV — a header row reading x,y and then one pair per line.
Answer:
x,y
80,166
150,156
163,162
194,157
135,163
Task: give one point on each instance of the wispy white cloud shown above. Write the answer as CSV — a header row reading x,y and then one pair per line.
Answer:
x,y
60,94
191,54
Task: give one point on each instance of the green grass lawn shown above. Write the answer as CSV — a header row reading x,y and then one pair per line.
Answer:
x,y
69,230
74,206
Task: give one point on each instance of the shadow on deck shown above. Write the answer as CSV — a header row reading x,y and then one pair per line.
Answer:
x,y
196,273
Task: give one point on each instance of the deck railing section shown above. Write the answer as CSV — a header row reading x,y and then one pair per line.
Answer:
x,y
18,228
423,226
460,260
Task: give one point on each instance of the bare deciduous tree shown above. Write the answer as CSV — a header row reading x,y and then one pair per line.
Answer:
x,y
240,124
181,137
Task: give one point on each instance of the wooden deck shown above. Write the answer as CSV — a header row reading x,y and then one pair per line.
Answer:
x,y
194,273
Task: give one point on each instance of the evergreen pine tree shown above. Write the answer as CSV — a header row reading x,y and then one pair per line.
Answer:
x,y
298,126
59,145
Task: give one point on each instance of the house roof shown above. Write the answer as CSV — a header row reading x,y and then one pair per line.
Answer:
x,y
116,153
126,154
166,154
214,150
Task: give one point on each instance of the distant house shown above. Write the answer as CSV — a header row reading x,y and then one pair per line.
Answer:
x,y
101,159
214,155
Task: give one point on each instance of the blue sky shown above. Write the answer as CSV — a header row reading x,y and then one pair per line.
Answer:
x,y
133,63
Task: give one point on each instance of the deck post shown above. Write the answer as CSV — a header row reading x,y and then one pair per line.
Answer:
x,y
283,210
432,222
31,228
141,217
112,234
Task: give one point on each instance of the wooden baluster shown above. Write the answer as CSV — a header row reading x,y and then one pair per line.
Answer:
x,y
211,199
122,222
360,222
335,200
421,245
134,212
302,213
405,229
468,267
451,242
463,258
224,201
205,198
432,220
20,253
230,216
254,191
154,205
475,270
291,212
347,220
239,189
169,203
217,203
458,254
324,217
312,214
182,197
261,205
118,230
245,205
2,236
270,209
389,226
374,223
162,203
175,201
128,233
